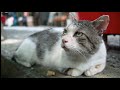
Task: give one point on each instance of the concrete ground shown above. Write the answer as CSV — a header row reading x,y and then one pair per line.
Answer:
x,y
11,69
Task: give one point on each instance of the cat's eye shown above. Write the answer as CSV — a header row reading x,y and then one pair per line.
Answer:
x,y
64,32
78,34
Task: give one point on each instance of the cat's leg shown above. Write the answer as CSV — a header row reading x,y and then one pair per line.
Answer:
x,y
26,64
74,72
95,69
25,53
21,59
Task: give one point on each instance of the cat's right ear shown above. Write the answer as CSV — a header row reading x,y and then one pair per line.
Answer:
x,y
101,23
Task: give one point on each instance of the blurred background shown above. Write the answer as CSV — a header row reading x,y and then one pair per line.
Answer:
x,y
34,18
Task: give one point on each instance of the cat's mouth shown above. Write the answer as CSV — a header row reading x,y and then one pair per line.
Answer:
x,y
64,47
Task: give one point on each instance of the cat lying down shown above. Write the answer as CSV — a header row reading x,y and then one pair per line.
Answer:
x,y
79,49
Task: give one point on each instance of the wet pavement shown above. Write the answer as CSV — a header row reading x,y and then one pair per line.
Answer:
x,y
11,69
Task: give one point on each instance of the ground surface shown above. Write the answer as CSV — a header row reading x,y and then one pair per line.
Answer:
x,y
10,69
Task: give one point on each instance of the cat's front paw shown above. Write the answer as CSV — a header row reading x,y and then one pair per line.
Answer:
x,y
73,72
95,69
90,72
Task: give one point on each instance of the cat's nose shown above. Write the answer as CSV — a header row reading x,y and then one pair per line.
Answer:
x,y
64,41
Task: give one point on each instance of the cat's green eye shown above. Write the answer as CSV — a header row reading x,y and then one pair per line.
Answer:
x,y
78,34
65,32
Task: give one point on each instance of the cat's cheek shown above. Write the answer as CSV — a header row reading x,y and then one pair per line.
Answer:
x,y
75,43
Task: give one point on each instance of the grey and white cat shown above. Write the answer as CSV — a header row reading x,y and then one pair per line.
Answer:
x,y
78,49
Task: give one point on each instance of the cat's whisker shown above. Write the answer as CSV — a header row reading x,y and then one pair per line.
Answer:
x,y
76,51
81,54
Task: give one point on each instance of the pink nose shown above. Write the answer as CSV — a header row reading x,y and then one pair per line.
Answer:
x,y
64,41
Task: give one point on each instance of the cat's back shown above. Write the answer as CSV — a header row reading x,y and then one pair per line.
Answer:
x,y
49,37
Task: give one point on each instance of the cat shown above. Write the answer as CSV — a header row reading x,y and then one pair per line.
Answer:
x,y
78,50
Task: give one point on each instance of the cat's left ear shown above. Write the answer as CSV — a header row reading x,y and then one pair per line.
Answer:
x,y
73,17
101,23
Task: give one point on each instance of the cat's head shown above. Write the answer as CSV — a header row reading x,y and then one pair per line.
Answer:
x,y
84,36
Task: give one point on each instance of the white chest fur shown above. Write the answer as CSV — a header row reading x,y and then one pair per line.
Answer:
x,y
58,58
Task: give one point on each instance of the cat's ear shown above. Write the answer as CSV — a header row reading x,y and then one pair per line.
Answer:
x,y
73,17
101,23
